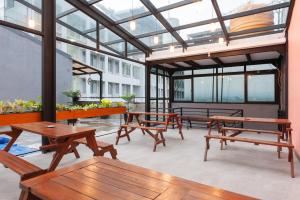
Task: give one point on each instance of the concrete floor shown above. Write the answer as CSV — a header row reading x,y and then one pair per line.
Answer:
x,y
242,168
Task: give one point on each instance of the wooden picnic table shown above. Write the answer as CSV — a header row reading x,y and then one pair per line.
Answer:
x,y
223,137
61,138
102,178
145,125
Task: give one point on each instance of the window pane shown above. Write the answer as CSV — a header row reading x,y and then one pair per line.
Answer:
x,y
204,89
117,9
17,13
183,73
233,69
191,13
183,90
231,89
260,67
261,88
126,69
204,71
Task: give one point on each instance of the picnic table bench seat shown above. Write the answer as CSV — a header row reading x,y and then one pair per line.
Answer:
x,y
25,169
103,147
251,130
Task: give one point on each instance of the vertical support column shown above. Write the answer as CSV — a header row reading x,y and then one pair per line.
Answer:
x,y
49,63
171,90
97,36
147,88
100,89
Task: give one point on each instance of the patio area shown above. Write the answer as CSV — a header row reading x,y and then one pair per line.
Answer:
x,y
149,99
245,169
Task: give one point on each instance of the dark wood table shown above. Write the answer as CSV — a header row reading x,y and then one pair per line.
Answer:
x,y
61,136
102,178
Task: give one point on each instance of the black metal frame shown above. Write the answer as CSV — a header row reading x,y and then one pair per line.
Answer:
x,y
218,74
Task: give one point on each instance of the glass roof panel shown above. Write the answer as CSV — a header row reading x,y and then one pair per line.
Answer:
x,y
199,32
195,12
17,13
107,35
118,47
144,25
156,40
117,9
162,3
236,6
79,20
261,20
62,6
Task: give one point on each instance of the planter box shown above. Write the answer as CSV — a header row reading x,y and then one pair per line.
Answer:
x,y
18,118
75,114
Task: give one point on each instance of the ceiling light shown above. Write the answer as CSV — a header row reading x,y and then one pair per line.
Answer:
x,y
31,23
221,40
156,39
213,27
132,25
172,48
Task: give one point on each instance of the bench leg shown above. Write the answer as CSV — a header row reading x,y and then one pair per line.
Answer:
x,y
278,148
206,149
163,138
118,136
113,153
291,160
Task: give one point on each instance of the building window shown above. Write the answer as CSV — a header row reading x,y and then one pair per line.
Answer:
x,y
136,72
113,89
205,89
113,66
94,87
183,90
83,85
126,89
137,91
261,88
231,89
97,61
126,69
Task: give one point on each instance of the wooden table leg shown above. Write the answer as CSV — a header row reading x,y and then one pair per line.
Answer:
x,y
179,125
139,122
206,149
14,134
92,144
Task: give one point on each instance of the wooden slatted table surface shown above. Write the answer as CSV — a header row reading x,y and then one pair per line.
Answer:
x,y
103,178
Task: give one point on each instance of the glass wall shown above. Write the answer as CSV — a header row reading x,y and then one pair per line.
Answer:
x,y
237,84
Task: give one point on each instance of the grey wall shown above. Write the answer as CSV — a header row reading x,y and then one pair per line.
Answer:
x,y
250,110
21,65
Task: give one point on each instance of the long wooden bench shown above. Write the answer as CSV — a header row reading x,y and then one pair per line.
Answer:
x,y
191,118
25,169
103,147
157,135
278,144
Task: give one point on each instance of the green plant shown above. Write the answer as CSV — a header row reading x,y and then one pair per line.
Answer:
x,y
129,99
120,104
1,107
106,103
72,93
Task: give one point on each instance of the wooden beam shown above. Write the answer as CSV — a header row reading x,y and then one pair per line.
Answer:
x,y
221,20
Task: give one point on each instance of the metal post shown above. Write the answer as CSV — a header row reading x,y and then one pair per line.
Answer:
x,y
147,88
100,89
49,63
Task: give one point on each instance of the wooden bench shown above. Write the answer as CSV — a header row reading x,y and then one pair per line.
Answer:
x,y
25,169
190,119
238,131
224,138
103,147
157,135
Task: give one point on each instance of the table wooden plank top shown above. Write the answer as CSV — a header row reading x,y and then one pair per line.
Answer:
x,y
250,119
58,131
103,178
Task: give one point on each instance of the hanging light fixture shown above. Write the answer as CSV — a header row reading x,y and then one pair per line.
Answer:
x,y
132,23
221,40
172,48
155,39
31,23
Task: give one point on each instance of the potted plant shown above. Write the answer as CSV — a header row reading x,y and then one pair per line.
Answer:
x,y
128,99
74,94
